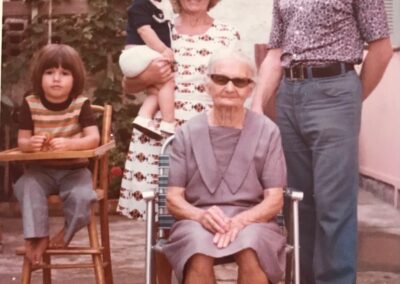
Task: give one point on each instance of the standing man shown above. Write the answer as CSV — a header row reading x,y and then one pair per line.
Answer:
x,y
314,45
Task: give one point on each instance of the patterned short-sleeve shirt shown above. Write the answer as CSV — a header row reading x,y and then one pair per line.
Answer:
x,y
326,30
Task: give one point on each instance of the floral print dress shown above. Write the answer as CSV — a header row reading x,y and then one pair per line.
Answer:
x,y
192,54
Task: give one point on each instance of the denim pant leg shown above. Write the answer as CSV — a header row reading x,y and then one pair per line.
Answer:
x,y
76,191
325,116
299,173
31,191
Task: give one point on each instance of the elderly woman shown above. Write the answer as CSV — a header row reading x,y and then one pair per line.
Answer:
x,y
195,36
226,175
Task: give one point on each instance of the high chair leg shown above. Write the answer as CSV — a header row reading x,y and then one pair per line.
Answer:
x,y
94,243
46,271
105,240
98,269
26,272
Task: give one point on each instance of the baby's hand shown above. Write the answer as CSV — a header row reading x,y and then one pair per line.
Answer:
x,y
168,54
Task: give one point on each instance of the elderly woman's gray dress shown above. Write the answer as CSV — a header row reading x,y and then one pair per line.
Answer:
x,y
230,168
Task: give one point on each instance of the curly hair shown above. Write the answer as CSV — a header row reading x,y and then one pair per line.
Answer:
x,y
177,5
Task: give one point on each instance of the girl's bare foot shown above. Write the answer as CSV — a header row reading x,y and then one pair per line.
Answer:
x,y
57,241
29,245
38,250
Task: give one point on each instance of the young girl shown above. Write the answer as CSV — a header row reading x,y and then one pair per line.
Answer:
x,y
56,117
148,38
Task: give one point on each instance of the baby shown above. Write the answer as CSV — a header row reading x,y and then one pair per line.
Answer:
x,y
148,38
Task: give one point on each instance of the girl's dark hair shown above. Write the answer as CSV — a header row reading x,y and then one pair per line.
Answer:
x,y
58,55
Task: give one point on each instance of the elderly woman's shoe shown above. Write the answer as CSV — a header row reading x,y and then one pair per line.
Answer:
x,y
145,125
167,127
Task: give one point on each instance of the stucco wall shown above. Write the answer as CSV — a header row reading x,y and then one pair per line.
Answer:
x,y
380,130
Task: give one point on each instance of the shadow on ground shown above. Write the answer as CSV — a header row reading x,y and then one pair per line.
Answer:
x,y
127,248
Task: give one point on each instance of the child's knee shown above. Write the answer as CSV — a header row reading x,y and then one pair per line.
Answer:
x,y
26,185
83,196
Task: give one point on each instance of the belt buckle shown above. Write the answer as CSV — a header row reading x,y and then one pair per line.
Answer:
x,y
292,75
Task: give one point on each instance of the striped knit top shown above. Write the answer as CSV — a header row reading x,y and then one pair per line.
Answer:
x,y
60,123
65,119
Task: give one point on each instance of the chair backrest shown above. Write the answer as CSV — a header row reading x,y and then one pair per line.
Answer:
x,y
100,168
106,113
165,220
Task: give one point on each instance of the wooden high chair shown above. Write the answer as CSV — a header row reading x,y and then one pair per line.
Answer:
x,y
100,253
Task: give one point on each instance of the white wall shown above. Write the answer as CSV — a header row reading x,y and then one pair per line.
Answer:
x,y
252,20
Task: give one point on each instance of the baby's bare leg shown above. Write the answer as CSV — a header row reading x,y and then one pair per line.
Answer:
x,y
149,106
166,101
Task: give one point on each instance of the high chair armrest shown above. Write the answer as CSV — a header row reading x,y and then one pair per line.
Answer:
x,y
149,194
15,154
293,194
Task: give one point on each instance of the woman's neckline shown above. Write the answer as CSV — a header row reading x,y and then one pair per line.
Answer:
x,y
238,124
217,127
200,33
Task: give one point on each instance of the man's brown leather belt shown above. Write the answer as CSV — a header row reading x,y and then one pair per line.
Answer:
x,y
302,72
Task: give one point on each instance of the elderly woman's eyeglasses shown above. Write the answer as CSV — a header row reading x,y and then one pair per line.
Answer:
x,y
223,80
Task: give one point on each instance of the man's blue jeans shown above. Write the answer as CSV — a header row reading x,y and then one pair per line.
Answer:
x,y
319,119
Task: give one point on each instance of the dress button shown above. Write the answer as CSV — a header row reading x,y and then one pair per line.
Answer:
x,y
296,32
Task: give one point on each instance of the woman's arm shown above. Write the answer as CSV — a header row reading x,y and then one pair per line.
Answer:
x,y
262,212
159,71
213,219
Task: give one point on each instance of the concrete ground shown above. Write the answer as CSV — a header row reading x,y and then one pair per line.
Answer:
x,y
378,258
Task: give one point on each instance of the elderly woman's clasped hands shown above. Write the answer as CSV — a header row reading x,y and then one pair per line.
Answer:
x,y
224,227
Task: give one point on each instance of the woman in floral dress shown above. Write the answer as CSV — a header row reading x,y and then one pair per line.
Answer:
x,y
195,36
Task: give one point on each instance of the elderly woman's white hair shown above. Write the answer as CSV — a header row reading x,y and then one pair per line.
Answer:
x,y
231,53
177,5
